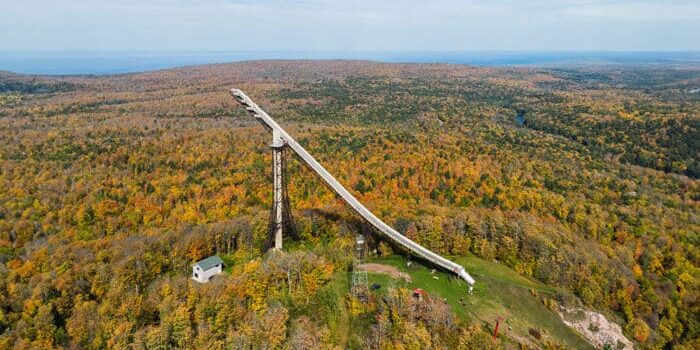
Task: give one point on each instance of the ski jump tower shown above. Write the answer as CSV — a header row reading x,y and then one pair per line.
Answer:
x,y
280,216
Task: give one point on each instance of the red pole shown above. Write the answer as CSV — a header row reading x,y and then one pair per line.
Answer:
x,y
495,330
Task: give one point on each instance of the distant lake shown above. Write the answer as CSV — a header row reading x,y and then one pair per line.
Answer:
x,y
63,63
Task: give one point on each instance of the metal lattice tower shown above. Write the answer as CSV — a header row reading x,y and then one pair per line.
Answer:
x,y
281,214
359,271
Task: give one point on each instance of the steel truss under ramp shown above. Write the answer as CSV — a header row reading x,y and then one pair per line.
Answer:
x,y
281,213
280,135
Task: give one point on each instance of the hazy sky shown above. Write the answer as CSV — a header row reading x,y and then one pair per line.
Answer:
x,y
345,25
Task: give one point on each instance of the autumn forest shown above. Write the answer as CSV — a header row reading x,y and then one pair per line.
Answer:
x,y
583,181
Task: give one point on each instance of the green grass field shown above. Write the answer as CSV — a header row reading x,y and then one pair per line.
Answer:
x,y
498,292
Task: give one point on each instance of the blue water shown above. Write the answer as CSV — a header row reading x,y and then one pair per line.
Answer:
x,y
63,63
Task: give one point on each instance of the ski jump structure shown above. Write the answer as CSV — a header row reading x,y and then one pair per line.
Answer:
x,y
280,140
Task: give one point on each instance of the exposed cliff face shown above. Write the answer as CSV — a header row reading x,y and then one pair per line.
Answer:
x,y
596,328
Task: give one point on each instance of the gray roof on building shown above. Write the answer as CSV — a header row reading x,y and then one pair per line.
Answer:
x,y
209,262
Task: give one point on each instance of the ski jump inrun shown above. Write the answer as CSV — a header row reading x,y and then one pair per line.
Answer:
x,y
281,139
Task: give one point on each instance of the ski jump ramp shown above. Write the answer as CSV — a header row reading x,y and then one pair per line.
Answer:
x,y
279,133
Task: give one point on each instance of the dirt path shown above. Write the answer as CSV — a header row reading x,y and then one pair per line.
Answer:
x,y
387,270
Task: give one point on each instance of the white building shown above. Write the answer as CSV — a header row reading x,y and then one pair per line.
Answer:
x,y
203,270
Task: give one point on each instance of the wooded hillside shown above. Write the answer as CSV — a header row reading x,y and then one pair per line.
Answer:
x,y
582,178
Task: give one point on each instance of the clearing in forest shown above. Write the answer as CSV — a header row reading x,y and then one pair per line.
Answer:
x,y
387,270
